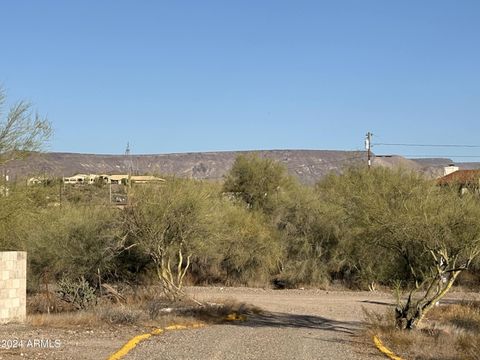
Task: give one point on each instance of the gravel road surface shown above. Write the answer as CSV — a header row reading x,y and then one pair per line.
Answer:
x,y
295,324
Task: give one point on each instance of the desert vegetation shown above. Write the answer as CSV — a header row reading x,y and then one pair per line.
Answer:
x,y
362,229
450,332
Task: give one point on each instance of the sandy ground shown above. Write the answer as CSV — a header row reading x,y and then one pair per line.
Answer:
x,y
295,324
27,342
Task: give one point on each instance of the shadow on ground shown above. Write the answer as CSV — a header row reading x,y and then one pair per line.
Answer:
x,y
275,319
377,302
347,332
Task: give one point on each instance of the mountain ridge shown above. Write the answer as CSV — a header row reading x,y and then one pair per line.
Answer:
x,y
308,165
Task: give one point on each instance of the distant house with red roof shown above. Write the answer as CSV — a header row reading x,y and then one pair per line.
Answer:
x,y
464,180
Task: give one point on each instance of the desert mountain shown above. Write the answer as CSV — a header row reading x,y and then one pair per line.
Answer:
x,y
308,165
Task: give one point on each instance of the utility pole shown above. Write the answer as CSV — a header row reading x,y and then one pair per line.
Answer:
x,y
368,147
129,164
60,194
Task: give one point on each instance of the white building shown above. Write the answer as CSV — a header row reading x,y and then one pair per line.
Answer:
x,y
80,179
450,169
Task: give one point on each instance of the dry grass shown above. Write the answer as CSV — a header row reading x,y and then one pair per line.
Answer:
x,y
144,307
64,320
450,332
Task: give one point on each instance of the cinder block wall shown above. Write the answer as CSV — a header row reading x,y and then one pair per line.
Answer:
x,y
13,286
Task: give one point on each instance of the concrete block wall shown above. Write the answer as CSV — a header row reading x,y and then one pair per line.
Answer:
x,y
13,286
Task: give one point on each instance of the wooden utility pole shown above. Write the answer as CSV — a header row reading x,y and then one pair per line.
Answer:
x,y
368,147
129,165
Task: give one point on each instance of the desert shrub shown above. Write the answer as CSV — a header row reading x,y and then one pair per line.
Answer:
x,y
77,292
73,241
249,248
452,332
85,194
309,236
121,315
14,210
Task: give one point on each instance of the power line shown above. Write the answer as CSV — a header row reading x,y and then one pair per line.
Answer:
x,y
436,156
427,145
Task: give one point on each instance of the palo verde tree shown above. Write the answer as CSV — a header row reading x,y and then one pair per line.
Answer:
x,y
309,232
247,246
166,223
427,234
20,130
304,229
73,241
259,182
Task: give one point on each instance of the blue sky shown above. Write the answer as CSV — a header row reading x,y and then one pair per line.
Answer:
x,y
180,76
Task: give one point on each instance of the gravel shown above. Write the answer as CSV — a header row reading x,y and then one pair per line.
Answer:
x,y
295,324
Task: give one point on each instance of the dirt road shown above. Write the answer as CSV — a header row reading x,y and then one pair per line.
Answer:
x,y
296,324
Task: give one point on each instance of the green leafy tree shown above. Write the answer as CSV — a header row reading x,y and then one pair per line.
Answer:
x,y
248,246
73,241
20,130
259,182
167,223
426,234
305,229
309,235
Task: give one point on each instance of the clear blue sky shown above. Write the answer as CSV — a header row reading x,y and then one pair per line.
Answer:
x,y
178,76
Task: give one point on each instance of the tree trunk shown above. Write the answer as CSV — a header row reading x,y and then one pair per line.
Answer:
x,y
410,315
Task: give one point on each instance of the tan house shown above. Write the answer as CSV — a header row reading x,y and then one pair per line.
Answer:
x,y
112,179
135,179
146,179
117,179
81,179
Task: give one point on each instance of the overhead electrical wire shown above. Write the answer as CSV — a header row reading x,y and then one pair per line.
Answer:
x,y
427,145
436,156
464,146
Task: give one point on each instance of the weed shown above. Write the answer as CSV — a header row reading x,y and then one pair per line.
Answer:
x,y
451,332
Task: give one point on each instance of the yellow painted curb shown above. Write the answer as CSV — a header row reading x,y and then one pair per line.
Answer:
x,y
157,331
387,352
235,317
130,345
139,338
176,327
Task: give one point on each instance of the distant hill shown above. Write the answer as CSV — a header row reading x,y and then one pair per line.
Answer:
x,y
469,165
308,165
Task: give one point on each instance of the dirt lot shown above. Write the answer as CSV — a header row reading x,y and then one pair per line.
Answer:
x,y
301,324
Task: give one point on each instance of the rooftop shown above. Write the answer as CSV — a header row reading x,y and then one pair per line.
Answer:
x,y
465,177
